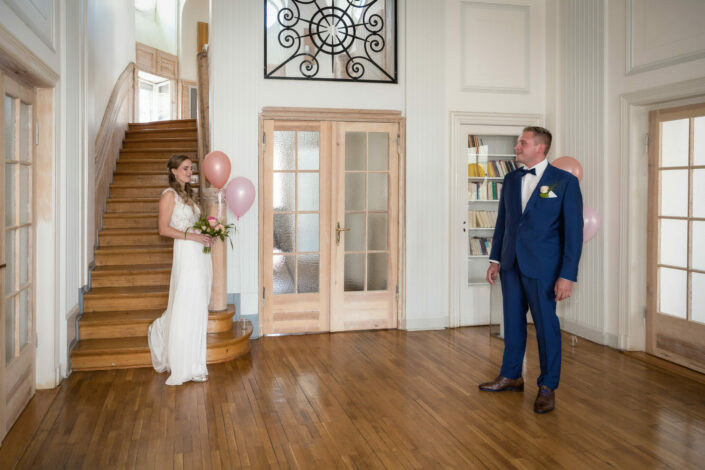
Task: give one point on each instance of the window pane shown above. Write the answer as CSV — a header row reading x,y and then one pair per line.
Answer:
x,y
674,243
10,194
674,193
309,148
308,191
377,235
355,238
284,187
697,307
308,273
24,317
9,330
377,193
284,274
699,141
378,150
307,233
9,129
284,150
354,278
284,230
25,191
11,261
698,260
672,292
377,271
355,155
355,192
25,125
699,193
674,142
24,255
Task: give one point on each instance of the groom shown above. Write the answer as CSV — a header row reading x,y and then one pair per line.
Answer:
x,y
535,249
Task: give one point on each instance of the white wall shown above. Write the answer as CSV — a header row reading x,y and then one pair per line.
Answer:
x,y
192,12
158,28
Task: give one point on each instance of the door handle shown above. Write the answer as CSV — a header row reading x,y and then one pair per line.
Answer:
x,y
339,229
2,265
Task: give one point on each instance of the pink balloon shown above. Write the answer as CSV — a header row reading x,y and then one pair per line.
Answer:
x,y
591,223
216,167
240,194
569,164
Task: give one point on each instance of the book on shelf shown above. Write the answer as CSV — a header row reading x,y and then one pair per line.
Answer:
x,y
480,246
482,219
484,191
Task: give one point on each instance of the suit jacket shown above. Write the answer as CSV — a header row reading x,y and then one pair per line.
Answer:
x,y
547,238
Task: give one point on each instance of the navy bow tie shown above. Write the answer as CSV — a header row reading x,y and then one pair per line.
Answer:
x,y
524,171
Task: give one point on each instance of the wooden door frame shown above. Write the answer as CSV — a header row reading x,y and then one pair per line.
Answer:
x,y
348,115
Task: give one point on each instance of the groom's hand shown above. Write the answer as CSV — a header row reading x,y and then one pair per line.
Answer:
x,y
563,289
492,272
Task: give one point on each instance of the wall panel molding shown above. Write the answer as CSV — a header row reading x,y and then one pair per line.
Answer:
x,y
39,16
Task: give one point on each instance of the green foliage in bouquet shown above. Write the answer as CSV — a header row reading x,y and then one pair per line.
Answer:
x,y
214,228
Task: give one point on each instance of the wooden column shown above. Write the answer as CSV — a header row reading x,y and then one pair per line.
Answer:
x,y
214,204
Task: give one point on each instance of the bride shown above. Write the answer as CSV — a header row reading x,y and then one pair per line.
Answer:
x,y
177,339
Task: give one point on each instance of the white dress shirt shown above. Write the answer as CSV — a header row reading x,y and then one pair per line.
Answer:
x,y
528,185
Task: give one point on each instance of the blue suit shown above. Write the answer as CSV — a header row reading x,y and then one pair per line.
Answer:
x,y
534,249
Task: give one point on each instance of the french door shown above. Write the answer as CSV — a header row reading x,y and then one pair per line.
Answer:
x,y
17,355
329,226
675,322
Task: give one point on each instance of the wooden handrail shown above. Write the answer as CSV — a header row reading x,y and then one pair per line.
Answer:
x,y
203,113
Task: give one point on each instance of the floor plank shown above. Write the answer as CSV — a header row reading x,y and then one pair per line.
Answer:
x,y
384,399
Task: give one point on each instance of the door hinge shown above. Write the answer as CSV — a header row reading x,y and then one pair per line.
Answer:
x,y
264,296
264,142
397,292
398,141
36,134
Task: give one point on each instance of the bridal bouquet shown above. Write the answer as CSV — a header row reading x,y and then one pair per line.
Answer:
x,y
215,228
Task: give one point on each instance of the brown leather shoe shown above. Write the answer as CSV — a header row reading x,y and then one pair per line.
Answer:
x,y
545,400
501,384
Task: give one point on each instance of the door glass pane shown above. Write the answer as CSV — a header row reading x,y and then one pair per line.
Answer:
x,y
284,274
699,192
284,150
24,255
355,238
25,123
10,284
308,191
24,202
377,193
355,155
24,317
377,235
674,243
284,192
10,194
698,239
309,149
307,233
378,143
164,102
9,129
284,231
672,292
308,273
354,278
674,142
697,307
699,141
9,330
674,193
377,271
145,103
355,192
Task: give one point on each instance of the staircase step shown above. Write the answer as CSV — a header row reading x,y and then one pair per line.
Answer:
x,y
121,190
98,325
131,275
190,132
177,123
132,204
120,353
109,299
136,154
132,237
140,220
146,164
157,143
132,255
151,178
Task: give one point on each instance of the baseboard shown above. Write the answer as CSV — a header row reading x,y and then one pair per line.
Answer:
x,y
421,324
71,336
591,334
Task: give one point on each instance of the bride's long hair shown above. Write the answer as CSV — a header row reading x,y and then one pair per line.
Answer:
x,y
187,193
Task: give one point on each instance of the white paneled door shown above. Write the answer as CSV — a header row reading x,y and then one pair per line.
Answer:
x,y
675,322
17,356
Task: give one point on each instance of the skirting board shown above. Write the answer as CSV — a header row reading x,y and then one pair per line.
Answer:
x,y
596,336
420,324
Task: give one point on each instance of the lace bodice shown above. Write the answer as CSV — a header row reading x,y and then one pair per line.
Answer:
x,y
184,216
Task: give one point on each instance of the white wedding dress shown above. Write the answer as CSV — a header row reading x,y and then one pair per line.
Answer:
x,y
177,339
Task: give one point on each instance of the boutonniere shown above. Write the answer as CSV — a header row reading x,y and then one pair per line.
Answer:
x,y
547,191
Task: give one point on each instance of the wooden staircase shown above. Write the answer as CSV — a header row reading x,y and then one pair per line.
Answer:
x,y
130,283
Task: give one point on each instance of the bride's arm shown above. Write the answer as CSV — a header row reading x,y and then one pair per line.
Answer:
x,y
166,207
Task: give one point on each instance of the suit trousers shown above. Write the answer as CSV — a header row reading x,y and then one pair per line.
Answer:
x,y
518,293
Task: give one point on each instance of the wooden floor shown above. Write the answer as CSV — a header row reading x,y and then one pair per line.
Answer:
x,y
386,399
